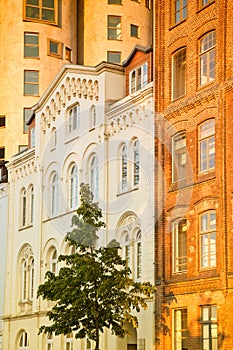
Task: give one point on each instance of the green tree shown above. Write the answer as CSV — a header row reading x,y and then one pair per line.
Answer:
x,y
94,289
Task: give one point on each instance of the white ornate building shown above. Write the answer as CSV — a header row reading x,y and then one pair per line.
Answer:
x,y
93,125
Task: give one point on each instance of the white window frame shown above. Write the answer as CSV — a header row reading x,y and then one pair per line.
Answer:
x,y
24,279
53,140
127,253
207,142
136,163
179,245
208,245
94,177
92,117
138,78
207,58
180,327
31,204
54,194
73,187
31,279
74,118
124,168
24,342
49,342
69,342
139,255
53,261
179,154
23,208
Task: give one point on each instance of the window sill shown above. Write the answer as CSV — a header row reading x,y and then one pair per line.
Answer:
x,y
25,227
127,191
177,24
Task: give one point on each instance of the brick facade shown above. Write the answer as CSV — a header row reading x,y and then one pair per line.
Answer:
x,y
201,191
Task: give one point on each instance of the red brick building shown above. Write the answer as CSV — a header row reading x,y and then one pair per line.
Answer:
x,y
193,60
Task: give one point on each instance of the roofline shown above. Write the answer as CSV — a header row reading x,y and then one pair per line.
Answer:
x,y
135,49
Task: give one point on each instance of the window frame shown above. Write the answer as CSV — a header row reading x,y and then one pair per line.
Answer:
x,y
110,28
138,81
180,327
73,186
54,194
74,118
23,205
117,2
41,9
59,46
206,250
94,177
177,157
181,11
136,162
209,140
132,28
92,114
138,242
2,121
206,54
123,168
69,341
31,279
178,74
210,324
27,112
30,45
208,2
114,53
28,82
24,341
179,245
31,204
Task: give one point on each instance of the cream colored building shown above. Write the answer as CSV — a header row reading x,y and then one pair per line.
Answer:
x,y
86,130
37,38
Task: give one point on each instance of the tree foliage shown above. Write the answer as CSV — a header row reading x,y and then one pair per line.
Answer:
x,y
94,289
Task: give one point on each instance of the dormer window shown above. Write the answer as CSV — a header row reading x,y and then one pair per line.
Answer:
x,y
139,78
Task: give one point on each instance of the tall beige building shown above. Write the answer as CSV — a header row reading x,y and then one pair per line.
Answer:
x,y
41,36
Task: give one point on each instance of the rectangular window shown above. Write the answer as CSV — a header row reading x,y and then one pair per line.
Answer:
x,y
31,45
27,112
114,57
180,10
139,78
74,118
205,2
179,157
68,54
114,1
54,48
209,327
22,148
208,239
114,27
178,73
2,153
180,326
41,11
207,146
31,82
207,58
134,30
179,248
2,120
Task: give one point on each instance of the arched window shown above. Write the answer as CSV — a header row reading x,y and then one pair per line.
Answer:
x,y
92,117
32,279
31,205
53,261
23,207
179,245
54,195
138,255
127,250
24,342
136,163
94,177
69,341
73,187
124,168
74,118
24,280
207,145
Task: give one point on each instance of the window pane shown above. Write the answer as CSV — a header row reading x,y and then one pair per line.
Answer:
x,y
48,15
32,12
114,1
179,71
33,2
114,57
53,47
134,30
48,3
